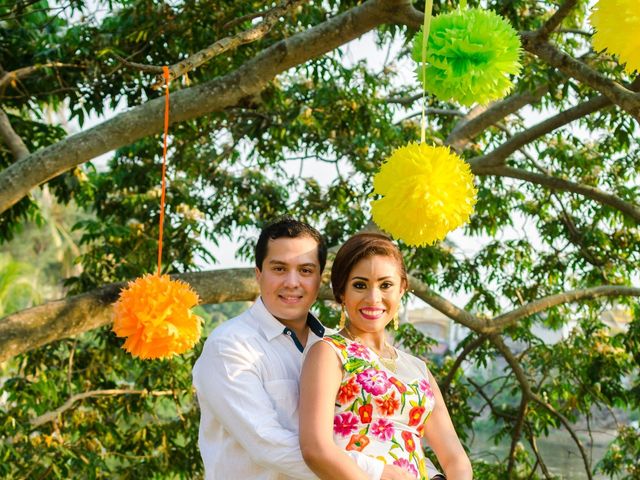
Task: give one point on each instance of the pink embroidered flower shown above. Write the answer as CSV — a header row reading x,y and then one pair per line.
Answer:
x,y
374,381
358,350
426,388
382,429
345,423
405,465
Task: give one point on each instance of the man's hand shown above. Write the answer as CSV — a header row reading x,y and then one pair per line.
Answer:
x,y
393,472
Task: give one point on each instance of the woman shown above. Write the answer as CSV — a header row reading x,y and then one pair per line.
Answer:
x,y
357,392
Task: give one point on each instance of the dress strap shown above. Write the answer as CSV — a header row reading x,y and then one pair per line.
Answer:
x,y
339,345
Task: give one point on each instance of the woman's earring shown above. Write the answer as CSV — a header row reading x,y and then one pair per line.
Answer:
x,y
343,319
396,321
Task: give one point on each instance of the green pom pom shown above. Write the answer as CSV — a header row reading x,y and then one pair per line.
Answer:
x,y
470,55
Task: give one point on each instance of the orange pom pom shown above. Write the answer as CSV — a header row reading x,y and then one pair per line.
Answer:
x,y
154,314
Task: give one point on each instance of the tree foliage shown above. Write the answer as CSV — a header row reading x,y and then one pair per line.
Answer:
x,y
556,223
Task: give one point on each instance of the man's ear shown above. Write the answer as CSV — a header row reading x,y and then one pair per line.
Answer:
x,y
258,274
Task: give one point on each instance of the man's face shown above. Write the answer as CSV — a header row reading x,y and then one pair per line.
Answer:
x,y
290,277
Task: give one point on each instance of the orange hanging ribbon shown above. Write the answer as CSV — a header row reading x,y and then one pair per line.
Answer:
x,y
165,74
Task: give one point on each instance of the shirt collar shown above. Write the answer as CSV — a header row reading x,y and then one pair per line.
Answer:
x,y
271,326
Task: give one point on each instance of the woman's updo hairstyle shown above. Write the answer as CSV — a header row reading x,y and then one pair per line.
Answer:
x,y
359,246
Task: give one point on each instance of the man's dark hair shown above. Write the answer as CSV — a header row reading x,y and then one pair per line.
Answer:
x,y
289,228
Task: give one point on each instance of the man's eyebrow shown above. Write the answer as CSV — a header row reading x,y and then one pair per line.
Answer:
x,y
280,262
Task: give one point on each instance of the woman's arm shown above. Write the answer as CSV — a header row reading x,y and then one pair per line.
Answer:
x,y
319,384
441,436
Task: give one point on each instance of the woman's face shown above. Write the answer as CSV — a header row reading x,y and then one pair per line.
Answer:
x,y
372,294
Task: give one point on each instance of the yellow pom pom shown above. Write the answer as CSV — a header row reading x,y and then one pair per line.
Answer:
x,y
427,192
154,314
617,26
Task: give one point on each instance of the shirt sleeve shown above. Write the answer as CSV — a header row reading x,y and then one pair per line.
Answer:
x,y
372,466
432,472
229,387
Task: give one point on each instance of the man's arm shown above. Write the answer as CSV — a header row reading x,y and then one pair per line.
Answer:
x,y
229,387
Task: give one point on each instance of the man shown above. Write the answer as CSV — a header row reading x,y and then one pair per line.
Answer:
x,y
247,376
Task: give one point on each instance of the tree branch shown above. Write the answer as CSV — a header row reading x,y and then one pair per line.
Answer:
x,y
270,18
53,415
468,348
18,149
500,154
409,16
497,412
569,428
501,322
469,127
626,99
556,19
213,96
575,31
576,237
423,292
243,18
403,100
528,393
23,72
517,433
536,451
232,42
555,183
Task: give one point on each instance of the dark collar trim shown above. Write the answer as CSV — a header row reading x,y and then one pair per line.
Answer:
x,y
314,325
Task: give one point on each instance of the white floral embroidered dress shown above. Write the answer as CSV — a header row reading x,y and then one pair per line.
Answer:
x,y
379,412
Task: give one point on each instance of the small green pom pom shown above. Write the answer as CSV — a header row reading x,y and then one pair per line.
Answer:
x,y
470,55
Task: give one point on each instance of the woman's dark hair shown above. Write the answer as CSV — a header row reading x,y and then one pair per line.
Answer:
x,y
289,228
359,246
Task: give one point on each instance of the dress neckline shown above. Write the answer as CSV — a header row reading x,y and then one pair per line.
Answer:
x,y
395,350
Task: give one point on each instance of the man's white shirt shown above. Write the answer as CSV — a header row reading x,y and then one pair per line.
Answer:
x,y
246,381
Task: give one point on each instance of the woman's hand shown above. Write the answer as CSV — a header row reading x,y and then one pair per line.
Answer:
x,y
393,472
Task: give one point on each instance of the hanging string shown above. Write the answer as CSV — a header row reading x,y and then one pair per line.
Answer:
x,y
165,74
425,37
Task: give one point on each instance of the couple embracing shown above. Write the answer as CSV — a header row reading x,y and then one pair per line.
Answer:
x,y
280,397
